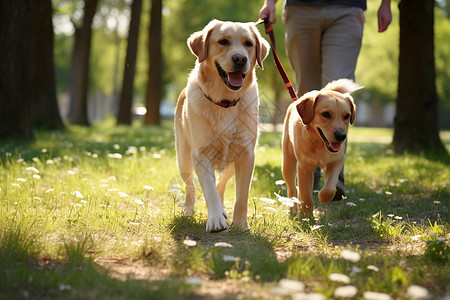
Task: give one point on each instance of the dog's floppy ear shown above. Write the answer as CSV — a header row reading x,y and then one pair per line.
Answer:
x,y
352,108
262,46
198,41
306,106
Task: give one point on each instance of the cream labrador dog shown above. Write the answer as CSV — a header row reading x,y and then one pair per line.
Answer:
x,y
314,134
216,117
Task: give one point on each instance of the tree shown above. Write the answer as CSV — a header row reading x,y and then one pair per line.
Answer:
x,y
154,85
126,95
45,106
15,86
80,65
416,125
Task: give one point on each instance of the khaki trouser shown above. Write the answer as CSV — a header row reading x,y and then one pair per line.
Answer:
x,y
322,42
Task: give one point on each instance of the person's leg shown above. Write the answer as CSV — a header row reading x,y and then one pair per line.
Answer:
x,y
341,45
303,35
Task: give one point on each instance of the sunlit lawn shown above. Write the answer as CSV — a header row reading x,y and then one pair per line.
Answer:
x,y
95,213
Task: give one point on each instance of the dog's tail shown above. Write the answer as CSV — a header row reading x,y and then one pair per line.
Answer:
x,y
343,86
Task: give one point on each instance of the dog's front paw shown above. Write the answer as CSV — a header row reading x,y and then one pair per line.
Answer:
x,y
188,212
326,195
217,223
241,225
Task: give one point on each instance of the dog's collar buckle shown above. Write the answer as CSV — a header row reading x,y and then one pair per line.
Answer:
x,y
224,103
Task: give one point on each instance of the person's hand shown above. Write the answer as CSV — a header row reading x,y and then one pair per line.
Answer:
x,y
384,15
268,11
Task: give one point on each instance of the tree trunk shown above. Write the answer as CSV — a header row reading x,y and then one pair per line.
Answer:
x,y
15,86
416,125
80,66
126,96
154,85
45,106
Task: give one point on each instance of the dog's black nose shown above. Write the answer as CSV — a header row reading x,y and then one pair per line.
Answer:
x,y
340,135
239,59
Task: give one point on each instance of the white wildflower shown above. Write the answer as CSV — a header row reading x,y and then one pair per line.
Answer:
x,y
388,193
267,200
279,182
78,194
361,199
339,278
373,268
315,227
376,296
270,208
348,291
402,180
350,255
229,258
70,172
139,201
223,245
36,176
441,239
308,296
417,292
176,186
350,204
49,190
123,195
21,180
190,243
194,281
32,169
157,156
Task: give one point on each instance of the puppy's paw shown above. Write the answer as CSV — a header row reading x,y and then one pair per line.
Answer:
x,y
326,195
217,223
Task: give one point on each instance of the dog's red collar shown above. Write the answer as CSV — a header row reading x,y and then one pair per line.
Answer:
x,y
224,103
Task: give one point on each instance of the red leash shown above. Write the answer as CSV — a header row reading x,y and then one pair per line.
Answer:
x,y
276,59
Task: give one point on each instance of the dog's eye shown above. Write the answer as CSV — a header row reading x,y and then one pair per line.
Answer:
x,y
224,42
347,116
326,115
248,44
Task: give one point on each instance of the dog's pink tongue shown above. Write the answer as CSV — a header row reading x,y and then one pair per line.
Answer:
x,y
235,78
335,146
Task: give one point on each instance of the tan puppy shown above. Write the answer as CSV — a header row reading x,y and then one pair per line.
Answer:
x,y
314,134
216,118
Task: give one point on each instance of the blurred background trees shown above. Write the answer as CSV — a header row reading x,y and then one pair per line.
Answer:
x,y
152,45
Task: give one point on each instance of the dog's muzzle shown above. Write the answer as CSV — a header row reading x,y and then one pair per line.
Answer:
x,y
232,80
339,135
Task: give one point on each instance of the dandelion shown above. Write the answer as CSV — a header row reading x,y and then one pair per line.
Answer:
x,y
223,245
279,182
339,278
350,255
190,243
376,296
267,200
417,292
373,268
78,194
350,204
348,291
32,169
139,201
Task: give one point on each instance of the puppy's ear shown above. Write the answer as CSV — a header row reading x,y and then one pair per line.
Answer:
x,y
262,46
352,108
198,41
306,106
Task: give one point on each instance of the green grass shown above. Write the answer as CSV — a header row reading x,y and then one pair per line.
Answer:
x,y
89,213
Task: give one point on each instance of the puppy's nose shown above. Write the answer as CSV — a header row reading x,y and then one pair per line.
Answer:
x,y
340,135
239,59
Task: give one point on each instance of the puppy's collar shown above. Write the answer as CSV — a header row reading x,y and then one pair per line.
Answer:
x,y
224,103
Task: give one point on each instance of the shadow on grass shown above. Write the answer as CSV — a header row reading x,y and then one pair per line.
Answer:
x,y
232,253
